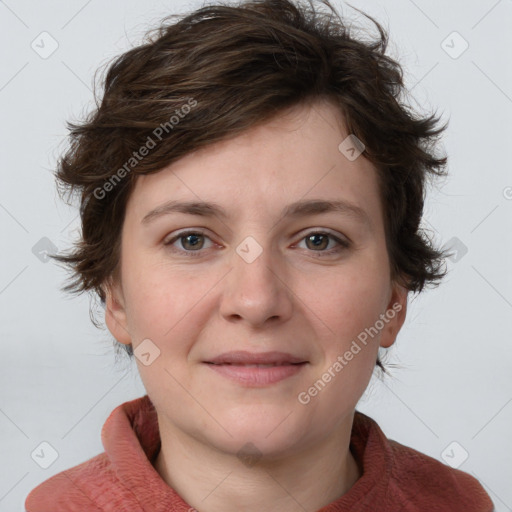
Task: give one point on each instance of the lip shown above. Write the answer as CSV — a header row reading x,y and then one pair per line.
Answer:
x,y
242,357
241,366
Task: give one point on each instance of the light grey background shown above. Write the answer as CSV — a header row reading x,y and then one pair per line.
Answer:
x,y
58,377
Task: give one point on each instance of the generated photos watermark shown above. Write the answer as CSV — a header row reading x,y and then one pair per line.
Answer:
x,y
144,150
304,397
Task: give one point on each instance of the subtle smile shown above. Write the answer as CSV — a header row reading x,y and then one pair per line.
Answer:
x,y
252,369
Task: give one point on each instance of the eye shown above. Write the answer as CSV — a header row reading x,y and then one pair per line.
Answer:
x,y
191,242
318,241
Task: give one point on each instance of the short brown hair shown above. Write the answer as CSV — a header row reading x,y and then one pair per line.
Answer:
x,y
221,70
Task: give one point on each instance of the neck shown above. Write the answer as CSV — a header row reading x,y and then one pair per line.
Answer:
x,y
308,480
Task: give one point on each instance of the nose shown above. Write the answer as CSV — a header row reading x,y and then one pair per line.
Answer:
x,y
257,291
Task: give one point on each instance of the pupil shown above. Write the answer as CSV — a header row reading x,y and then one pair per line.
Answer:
x,y
318,242
195,242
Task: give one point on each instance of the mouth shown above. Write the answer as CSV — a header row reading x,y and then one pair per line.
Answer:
x,y
244,358
262,365
251,369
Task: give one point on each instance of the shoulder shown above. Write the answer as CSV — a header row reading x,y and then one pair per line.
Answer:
x,y
425,483
76,488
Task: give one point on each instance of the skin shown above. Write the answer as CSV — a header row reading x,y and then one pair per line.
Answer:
x,y
294,297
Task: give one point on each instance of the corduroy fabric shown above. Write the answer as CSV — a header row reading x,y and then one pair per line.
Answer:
x,y
395,478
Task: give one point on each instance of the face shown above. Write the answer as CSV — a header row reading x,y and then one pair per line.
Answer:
x,y
241,310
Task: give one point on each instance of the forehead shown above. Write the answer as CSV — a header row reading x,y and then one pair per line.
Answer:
x,y
295,156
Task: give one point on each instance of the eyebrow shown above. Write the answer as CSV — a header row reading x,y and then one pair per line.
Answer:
x,y
295,210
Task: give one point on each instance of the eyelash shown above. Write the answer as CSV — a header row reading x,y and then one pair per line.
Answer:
x,y
343,244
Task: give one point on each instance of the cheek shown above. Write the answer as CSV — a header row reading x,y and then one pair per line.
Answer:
x,y
164,304
344,312
346,302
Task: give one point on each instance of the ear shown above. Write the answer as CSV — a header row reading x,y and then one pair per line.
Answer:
x,y
115,312
394,316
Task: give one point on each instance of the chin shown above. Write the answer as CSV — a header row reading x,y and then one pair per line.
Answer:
x,y
264,431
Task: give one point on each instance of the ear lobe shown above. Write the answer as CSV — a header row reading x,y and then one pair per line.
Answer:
x,y
115,313
395,314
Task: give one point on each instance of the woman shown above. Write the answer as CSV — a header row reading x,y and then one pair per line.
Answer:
x,y
251,190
